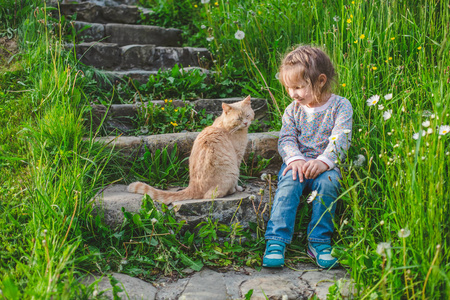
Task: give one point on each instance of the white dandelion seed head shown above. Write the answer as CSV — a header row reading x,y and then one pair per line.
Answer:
x,y
426,113
373,100
360,160
345,222
153,220
239,35
387,114
380,106
124,262
336,18
210,38
347,131
404,233
264,176
252,197
311,197
144,129
432,116
382,222
360,130
426,124
203,27
388,96
382,248
444,129
95,293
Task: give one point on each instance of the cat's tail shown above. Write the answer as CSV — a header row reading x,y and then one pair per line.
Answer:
x,y
166,197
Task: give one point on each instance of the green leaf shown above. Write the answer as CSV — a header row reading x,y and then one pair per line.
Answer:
x,y
194,265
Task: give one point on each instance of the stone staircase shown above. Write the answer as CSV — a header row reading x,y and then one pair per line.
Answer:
x,y
111,39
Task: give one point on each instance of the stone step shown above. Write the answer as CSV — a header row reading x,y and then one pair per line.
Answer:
x,y
112,56
128,34
142,75
264,144
122,117
94,13
99,2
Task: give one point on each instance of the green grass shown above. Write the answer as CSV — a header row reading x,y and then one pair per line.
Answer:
x,y
50,172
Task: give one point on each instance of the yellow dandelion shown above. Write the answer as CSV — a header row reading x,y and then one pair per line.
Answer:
x,y
386,61
390,58
259,12
344,85
174,124
374,68
165,100
162,108
356,42
170,101
349,21
392,38
351,16
175,110
353,2
216,3
418,48
362,36
195,5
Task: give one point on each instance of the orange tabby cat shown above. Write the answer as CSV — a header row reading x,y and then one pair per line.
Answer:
x,y
215,158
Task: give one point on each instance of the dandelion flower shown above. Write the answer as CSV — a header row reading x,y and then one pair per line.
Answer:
x,y
210,39
392,38
162,108
216,3
349,21
374,68
312,196
174,124
417,134
345,222
418,48
239,35
252,197
444,129
404,233
153,220
204,1
195,5
387,114
264,176
381,222
390,58
347,131
343,85
373,100
334,137
388,96
382,248
362,36
203,27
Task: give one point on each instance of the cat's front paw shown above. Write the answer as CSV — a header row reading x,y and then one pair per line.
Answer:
x,y
239,188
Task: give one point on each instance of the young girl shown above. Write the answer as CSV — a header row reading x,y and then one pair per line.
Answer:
x,y
315,135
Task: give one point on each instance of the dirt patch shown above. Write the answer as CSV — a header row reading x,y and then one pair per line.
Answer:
x,y
8,47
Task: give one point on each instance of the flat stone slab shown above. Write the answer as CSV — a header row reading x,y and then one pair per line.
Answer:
x,y
112,56
132,288
304,282
227,210
94,13
264,144
131,34
122,116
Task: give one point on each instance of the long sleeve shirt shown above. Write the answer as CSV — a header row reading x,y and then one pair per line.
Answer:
x,y
322,133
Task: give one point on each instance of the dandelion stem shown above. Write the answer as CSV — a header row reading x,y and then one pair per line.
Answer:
x,y
438,248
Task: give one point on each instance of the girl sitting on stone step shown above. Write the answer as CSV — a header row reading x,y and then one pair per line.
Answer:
x,y
316,133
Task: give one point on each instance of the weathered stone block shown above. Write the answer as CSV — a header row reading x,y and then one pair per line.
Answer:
x,y
89,32
137,56
127,34
99,55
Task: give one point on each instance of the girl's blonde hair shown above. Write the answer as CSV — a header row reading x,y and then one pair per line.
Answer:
x,y
307,63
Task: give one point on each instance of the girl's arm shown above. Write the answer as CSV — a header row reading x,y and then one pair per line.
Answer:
x,y
341,134
288,146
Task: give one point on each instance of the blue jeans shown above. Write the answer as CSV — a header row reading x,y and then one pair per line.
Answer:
x,y
287,198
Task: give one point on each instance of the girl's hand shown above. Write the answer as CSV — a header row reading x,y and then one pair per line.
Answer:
x,y
314,168
297,167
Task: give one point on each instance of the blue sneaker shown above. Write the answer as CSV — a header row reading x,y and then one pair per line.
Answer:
x,y
321,253
274,255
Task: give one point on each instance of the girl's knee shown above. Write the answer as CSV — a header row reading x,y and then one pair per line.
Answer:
x,y
328,180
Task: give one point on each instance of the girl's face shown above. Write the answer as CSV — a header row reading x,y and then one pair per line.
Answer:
x,y
302,93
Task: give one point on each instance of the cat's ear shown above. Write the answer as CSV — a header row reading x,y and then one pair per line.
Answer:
x,y
226,108
246,101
